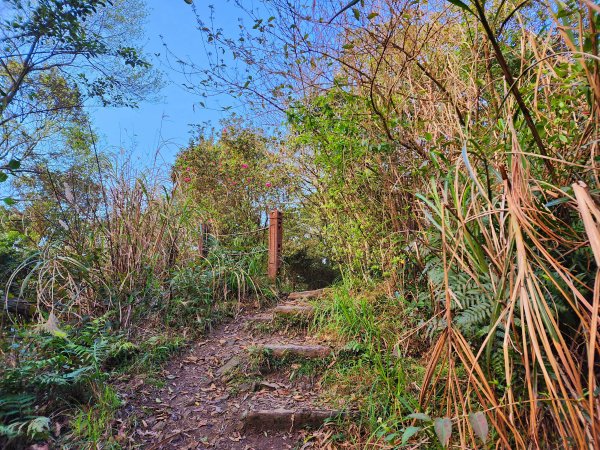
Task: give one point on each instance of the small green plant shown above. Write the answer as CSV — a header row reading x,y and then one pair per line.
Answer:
x,y
91,424
368,372
18,419
259,357
154,351
58,366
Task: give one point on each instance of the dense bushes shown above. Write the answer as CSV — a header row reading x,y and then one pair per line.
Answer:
x,y
235,177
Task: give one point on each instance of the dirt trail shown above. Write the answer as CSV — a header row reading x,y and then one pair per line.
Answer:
x,y
201,407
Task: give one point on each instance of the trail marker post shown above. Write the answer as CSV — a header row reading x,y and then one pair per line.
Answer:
x,y
203,240
275,242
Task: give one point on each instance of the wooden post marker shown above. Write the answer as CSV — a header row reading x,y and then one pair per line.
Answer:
x,y
203,240
275,242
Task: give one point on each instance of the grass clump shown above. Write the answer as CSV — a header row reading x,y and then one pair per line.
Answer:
x,y
91,425
371,372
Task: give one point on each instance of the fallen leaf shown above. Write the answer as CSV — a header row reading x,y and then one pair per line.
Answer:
x,y
237,438
57,428
270,385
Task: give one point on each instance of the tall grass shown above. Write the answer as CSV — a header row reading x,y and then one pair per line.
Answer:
x,y
368,372
528,255
117,256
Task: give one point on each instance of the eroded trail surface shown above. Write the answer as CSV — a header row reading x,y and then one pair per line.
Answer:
x,y
246,386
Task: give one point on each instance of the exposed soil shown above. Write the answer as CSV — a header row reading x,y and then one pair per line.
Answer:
x,y
199,407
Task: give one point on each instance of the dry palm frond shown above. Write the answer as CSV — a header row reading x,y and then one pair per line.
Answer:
x,y
549,382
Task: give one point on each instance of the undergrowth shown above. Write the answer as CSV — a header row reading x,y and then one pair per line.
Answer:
x,y
115,290
372,371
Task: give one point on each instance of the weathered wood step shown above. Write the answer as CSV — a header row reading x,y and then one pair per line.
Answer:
x,y
287,419
293,350
305,295
300,310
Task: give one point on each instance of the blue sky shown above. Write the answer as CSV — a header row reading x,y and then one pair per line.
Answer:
x,y
165,124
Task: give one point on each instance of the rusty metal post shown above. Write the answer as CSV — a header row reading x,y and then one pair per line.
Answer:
x,y
275,242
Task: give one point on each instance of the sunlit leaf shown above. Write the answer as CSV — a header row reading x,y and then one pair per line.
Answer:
x,y
14,164
461,5
419,416
443,430
408,433
479,424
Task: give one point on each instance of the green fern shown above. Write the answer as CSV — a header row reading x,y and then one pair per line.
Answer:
x,y
472,303
53,372
475,318
17,417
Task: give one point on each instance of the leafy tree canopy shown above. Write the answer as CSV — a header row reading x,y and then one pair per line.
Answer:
x,y
56,55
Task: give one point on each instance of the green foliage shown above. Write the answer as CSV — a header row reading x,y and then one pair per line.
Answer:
x,y
471,304
57,56
45,372
99,249
13,250
52,362
236,270
54,30
91,425
446,166
369,372
48,374
17,418
235,177
351,200
191,296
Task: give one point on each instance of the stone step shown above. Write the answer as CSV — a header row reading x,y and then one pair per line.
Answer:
x,y
293,350
286,419
229,367
262,318
305,295
299,310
